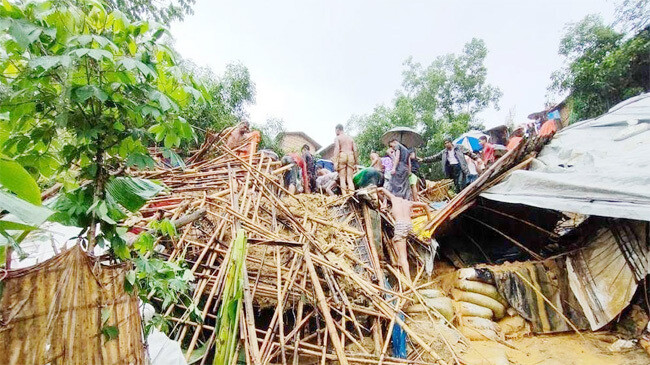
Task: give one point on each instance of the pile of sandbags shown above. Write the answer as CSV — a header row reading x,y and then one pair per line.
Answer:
x,y
436,301
478,305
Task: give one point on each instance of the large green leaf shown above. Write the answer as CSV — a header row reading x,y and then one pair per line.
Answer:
x,y
132,193
27,212
17,180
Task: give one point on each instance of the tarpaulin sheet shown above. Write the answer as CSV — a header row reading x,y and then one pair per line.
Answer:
x,y
596,167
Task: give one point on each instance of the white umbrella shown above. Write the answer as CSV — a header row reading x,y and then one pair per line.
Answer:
x,y
404,135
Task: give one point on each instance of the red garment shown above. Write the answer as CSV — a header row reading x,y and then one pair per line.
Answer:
x,y
488,153
513,143
303,167
548,128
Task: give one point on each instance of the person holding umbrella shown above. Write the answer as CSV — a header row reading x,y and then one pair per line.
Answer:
x,y
400,139
399,180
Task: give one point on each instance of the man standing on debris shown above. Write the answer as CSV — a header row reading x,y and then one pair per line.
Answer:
x,y
454,165
310,166
345,158
401,210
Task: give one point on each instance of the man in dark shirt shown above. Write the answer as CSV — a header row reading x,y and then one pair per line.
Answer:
x,y
454,165
311,169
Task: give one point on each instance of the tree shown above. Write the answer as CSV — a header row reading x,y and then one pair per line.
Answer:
x,y
602,66
442,99
270,132
229,95
164,11
87,90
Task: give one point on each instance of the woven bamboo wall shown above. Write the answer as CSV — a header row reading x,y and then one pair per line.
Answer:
x,y
52,313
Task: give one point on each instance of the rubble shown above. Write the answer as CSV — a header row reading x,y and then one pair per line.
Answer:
x,y
316,287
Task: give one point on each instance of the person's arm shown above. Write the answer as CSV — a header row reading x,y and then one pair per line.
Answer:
x,y
395,160
337,149
386,193
426,208
355,152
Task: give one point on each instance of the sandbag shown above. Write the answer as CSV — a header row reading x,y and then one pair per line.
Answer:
x,y
481,288
442,305
514,326
477,328
431,293
473,310
497,308
476,274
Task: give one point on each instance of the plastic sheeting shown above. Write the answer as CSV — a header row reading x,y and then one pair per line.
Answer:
x,y
596,167
604,275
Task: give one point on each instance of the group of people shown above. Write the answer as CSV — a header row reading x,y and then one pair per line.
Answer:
x,y
464,166
396,170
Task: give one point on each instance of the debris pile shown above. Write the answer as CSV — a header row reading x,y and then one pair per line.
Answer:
x,y
314,288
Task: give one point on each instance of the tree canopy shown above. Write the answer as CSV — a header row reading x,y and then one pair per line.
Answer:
x,y
603,66
164,11
439,100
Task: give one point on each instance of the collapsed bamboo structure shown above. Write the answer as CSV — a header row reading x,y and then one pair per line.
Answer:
x,y
316,286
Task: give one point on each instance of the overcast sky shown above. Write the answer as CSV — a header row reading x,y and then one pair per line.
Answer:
x,y
316,63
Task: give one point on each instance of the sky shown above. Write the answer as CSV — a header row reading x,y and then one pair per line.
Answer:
x,y
317,63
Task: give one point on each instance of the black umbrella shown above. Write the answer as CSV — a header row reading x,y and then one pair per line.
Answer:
x,y
404,135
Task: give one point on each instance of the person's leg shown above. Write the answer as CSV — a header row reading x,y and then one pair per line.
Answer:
x,y
350,174
342,170
402,256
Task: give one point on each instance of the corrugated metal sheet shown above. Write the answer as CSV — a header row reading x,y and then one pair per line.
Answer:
x,y
52,313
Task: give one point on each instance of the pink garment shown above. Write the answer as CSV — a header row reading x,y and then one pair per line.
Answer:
x,y
388,163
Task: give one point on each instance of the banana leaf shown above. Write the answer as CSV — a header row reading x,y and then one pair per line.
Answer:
x,y
131,193
227,325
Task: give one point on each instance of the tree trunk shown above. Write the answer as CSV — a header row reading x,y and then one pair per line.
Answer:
x,y
98,194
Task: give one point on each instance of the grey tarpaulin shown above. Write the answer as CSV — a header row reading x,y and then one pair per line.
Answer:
x,y
597,167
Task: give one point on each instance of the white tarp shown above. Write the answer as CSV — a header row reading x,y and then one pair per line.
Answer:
x,y
596,167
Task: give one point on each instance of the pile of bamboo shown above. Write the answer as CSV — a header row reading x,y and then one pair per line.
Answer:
x,y
315,287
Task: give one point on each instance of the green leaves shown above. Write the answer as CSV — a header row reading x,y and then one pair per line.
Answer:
x,y
96,54
131,64
227,323
83,93
48,62
16,179
132,193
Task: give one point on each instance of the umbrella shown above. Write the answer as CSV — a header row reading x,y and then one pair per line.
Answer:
x,y
404,135
469,140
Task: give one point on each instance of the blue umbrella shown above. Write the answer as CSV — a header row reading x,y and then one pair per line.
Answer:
x,y
470,140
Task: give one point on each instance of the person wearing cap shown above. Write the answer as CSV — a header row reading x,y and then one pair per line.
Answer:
x,y
454,165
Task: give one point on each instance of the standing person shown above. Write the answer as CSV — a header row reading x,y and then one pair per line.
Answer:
x,y
413,178
399,180
401,210
310,166
488,151
472,167
454,165
387,163
345,158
